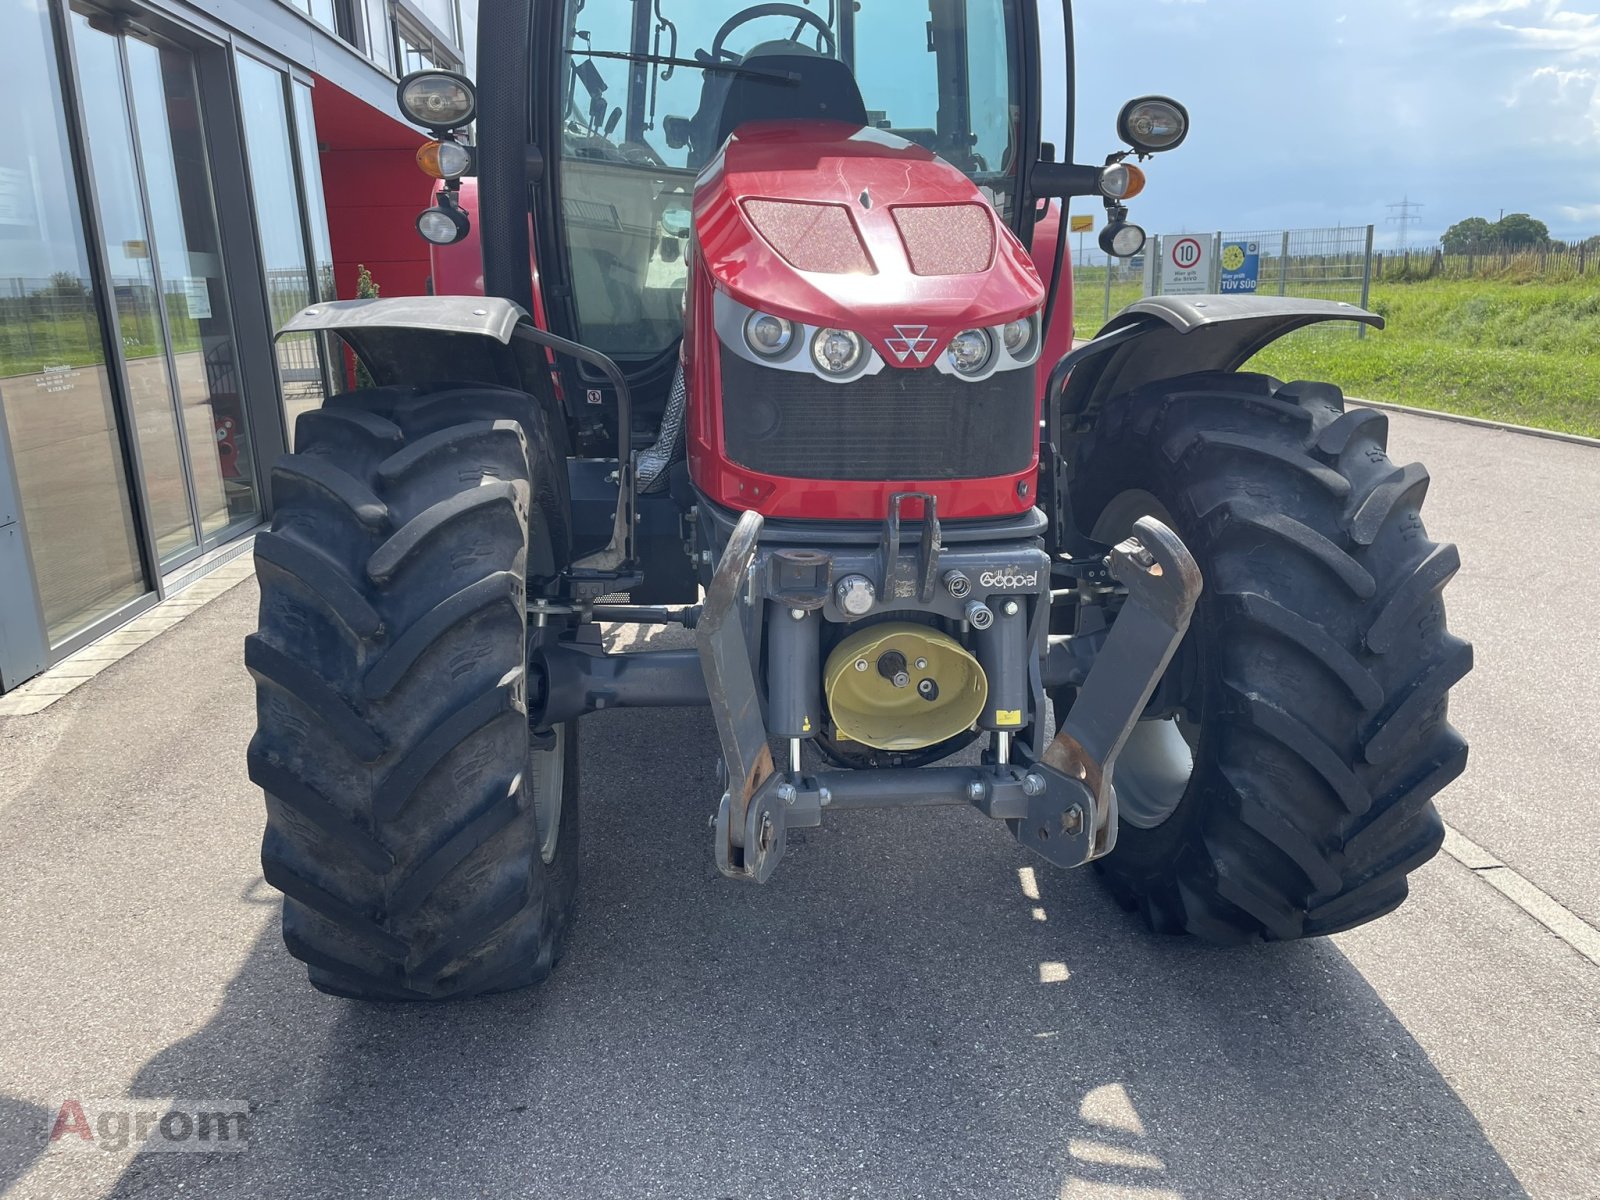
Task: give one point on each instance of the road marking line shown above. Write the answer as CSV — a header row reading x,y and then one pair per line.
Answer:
x,y
1542,907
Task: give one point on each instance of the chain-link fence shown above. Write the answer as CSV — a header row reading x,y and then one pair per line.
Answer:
x,y
1326,264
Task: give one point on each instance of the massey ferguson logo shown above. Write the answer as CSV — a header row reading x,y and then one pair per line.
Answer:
x,y
1009,578
911,341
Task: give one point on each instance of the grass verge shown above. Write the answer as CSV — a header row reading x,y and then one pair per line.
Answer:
x,y
1526,353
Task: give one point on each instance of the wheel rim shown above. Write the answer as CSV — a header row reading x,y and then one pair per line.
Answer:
x,y
548,776
1153,771
1157,762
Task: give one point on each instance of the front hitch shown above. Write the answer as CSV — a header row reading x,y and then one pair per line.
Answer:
x,y
749,840
1060,804
1163,583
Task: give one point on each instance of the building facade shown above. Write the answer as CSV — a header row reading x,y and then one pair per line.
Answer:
x,y
183,179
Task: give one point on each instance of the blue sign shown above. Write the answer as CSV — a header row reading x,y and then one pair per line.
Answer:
x,y
1241,266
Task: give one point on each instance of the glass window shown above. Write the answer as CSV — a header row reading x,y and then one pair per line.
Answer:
x,y
188,257
305,125
442,13
135,288
55,390
320,11
380,37
942,73
275,186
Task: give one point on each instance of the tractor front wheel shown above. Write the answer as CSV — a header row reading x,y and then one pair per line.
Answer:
x,y
425,842
1281,785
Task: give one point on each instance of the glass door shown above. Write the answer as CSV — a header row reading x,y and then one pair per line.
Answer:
x,y
157,218
56,376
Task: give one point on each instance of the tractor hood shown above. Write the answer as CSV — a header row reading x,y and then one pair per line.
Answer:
x,y
853,228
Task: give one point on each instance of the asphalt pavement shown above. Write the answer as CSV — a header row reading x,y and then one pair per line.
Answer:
x,y
914,1007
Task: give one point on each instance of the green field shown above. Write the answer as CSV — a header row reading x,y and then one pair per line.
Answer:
x,y
1527,353
1523,352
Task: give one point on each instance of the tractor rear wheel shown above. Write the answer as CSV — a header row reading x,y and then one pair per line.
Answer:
x,y
425,842
1282,786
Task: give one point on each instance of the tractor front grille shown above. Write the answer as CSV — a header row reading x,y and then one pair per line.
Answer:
x,y
896,425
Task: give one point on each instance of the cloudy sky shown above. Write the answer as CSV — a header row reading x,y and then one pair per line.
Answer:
x,y
1323,112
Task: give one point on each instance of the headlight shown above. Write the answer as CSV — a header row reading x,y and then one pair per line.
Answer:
x,y
970,351
437,100
767,335
1016,335
1152,124
443,226
1122,240
836,351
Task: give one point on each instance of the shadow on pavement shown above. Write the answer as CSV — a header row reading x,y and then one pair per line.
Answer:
x,y
23,1129
889,1017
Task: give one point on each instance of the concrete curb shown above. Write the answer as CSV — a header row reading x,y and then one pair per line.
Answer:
x,y
1576,439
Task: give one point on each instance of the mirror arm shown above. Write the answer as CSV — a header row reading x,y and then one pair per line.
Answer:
x,y
1064,180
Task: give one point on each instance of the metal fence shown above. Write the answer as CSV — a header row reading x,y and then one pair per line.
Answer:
x,y
1328,264
1514,264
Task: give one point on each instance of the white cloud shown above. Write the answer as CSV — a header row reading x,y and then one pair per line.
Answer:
x,y
1548,25
1479,9
1559,101
1559,105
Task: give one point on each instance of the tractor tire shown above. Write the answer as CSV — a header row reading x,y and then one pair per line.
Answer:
x,y
1316,671
424,841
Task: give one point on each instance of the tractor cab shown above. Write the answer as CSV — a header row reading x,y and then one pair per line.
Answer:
x,y
649,91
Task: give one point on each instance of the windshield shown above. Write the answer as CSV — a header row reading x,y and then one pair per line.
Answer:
x,y
637,128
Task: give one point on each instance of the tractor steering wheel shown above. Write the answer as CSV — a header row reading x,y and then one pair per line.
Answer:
x,y
804,15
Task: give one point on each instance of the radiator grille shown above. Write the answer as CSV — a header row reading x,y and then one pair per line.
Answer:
x,y
896,425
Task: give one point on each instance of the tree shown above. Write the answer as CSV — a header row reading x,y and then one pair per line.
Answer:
x,y
365,290
1519,229
1465,237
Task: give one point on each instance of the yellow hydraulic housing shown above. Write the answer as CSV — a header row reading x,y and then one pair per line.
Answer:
x,y
902,686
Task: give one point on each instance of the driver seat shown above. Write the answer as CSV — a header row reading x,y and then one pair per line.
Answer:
x,y
826,91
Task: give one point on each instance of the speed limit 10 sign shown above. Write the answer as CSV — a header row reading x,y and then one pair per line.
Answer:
x,y
1185,266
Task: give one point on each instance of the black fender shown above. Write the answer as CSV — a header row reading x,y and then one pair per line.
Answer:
x,y
1159,337
449,339
1163,336
418,340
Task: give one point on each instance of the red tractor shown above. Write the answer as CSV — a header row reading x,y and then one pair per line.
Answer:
x,y
793,370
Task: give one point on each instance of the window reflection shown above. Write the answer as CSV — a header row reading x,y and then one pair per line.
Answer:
x,y
133,281
274,185
54,386
189,261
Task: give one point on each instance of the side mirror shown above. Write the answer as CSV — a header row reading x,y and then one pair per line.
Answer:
x,y
1152,124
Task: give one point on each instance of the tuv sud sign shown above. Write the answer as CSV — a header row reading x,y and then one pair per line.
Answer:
x,y
1193,264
